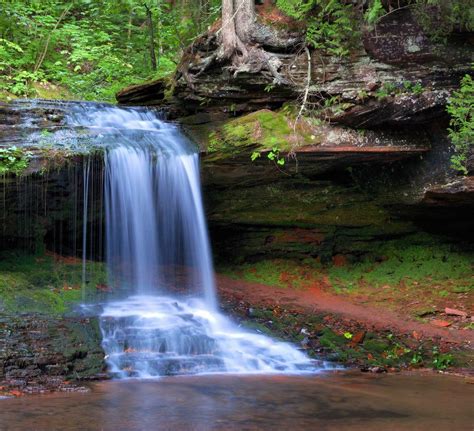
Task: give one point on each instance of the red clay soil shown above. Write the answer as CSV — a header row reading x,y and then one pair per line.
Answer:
x,y
314,300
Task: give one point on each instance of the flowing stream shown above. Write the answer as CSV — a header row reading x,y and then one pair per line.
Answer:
x,y
164,318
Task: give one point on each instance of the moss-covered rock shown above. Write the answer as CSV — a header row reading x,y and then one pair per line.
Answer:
x,y
258,131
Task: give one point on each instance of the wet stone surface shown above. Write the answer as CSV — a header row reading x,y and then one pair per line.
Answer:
x,y
40,353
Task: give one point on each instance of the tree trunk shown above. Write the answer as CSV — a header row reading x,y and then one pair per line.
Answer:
x,y
152,37
244,19
228,34
238,17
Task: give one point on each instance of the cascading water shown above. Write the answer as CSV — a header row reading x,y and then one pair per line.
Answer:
x,y
164,319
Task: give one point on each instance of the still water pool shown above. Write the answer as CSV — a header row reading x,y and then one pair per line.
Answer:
x,y
330,401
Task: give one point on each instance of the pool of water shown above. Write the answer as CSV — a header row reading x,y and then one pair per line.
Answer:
x,y
331,401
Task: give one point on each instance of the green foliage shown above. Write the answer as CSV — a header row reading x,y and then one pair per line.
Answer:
x,y
330,24
91,47
461,132
374,12
441,361
391,89
273,155
13,160
439,18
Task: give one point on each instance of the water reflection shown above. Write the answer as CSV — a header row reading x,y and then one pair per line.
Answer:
x,y
335,401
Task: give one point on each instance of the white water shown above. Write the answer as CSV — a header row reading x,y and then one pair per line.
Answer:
x,y
165,319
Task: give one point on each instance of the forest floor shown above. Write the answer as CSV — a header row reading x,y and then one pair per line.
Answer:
x,y
388,328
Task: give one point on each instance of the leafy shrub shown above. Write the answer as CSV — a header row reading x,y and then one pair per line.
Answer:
x,y
329,24
13,160
461,132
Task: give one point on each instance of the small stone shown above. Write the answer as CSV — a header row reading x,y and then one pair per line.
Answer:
x,y
377,370
305,341
454,312
251,311
371,86
425,312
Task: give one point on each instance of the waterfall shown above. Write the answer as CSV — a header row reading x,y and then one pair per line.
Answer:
x,y
163,318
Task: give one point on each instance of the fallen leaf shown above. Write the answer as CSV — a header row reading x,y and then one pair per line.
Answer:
x,y
441,323
358,338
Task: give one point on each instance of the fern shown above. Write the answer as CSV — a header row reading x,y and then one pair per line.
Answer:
x,y
461,132
329,23
374,12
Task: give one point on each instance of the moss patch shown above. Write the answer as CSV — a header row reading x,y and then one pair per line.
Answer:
x,y
294,203
6,96
47,90
46,283
261,130
415,260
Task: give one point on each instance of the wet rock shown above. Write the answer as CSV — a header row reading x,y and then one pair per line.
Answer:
x,y
375,370
42,352
305,342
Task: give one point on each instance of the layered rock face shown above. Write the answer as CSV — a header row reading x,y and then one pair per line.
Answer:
x,y
44,204
375,165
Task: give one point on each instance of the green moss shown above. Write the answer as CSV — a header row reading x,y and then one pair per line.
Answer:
x,y
261,130
375,346
44,284
293,203
6,96
331,340
46,90
258,327
417,258
273,272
